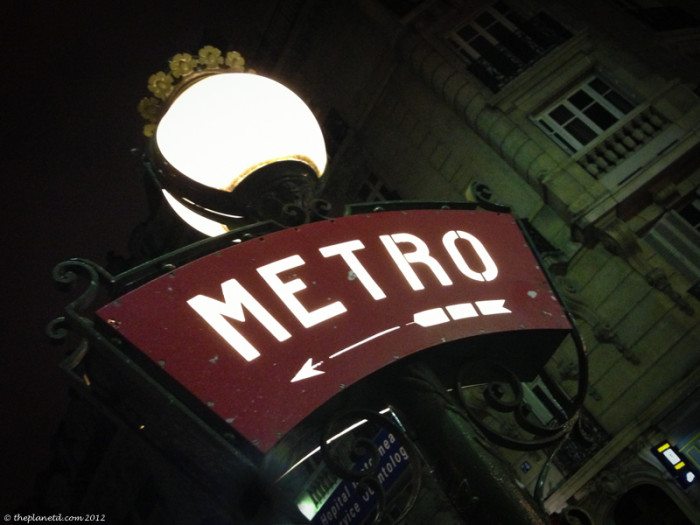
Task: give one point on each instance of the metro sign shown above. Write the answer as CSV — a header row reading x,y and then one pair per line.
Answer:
x,y
266,331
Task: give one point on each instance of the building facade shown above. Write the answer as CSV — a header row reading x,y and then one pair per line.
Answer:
x,y
584,119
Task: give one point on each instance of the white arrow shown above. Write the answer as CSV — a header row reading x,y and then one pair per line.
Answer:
x,y
430,317
308,370
461,311
492,307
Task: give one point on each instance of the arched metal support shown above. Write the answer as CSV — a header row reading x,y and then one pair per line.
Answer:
x,y
485,387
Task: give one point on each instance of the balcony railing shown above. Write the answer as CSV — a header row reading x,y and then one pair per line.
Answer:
x,y
627,150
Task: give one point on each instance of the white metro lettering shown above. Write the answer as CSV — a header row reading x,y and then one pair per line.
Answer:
x,y
449,241
286,290
420,255
346,251
235,298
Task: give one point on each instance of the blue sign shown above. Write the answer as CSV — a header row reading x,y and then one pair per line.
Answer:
x,y
351,502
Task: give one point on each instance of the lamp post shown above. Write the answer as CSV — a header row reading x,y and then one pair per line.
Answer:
x,y
380,437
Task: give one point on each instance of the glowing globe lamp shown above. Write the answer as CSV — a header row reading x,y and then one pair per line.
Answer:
x,y
227,140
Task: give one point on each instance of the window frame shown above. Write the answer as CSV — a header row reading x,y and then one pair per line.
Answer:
x,y
465,48
482,31
565,139
502,63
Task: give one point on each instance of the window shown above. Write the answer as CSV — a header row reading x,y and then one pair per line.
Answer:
x,y
611,138
584,114
691,211
498,44
676,237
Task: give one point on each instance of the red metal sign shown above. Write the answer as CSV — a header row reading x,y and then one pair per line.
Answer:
x,y
266,331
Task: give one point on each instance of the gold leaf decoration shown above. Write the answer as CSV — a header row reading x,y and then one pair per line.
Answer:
x,y
183,67
235,61
182,64
161,85
149,108
149,130
210,57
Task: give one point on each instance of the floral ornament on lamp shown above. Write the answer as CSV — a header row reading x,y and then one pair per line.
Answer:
x,y
161,85
149,108
182,64
235,61
183,67
210,57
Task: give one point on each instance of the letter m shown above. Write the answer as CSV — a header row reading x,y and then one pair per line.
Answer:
x,y
235,299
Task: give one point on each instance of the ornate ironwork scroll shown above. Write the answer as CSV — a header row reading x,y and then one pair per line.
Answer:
x,y
493,395
486,388
67,274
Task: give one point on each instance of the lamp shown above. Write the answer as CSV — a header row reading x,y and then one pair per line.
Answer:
x,y
229,144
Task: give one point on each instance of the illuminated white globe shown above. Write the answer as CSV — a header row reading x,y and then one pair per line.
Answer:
x,y
199,222
225,126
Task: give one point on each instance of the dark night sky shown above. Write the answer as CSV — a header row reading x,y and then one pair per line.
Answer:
x,y
74,72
